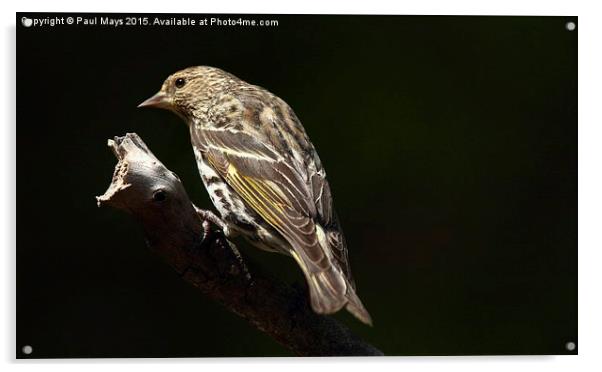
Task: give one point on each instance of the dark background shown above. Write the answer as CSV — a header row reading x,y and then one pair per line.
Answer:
x,y
450,144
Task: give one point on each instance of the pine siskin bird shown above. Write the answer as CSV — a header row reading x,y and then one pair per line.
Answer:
x,y
264,177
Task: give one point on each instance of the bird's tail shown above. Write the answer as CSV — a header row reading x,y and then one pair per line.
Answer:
x,y
330,290
356,307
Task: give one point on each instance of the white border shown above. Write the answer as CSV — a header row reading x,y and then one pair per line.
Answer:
x,y
590,185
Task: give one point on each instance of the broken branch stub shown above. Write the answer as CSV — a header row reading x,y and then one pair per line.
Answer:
x,y
154,195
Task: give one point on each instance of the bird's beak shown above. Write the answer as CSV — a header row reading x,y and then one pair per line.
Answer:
x,y
159,100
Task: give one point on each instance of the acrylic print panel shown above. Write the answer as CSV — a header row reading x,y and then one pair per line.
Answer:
x,y
450,145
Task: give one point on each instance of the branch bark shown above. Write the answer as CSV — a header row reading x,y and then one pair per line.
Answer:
x,y
152,194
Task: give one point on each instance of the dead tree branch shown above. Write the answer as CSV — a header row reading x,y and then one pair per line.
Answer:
x,y
154,195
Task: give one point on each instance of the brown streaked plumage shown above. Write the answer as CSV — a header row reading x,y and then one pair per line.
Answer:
x,y
264,177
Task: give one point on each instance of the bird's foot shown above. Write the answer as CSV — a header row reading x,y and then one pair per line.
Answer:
x,y
207,215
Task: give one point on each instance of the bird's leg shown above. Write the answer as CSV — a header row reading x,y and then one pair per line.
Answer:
x,y
206,231
207,215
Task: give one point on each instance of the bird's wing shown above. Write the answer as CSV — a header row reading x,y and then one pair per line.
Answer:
x,y
272,165
270,186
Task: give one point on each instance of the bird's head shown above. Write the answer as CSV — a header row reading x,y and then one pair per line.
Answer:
x,y
189,91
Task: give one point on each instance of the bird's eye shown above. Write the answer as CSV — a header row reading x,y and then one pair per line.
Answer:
x,y
180,82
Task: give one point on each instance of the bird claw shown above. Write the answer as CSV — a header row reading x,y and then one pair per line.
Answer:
x,y
208,216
